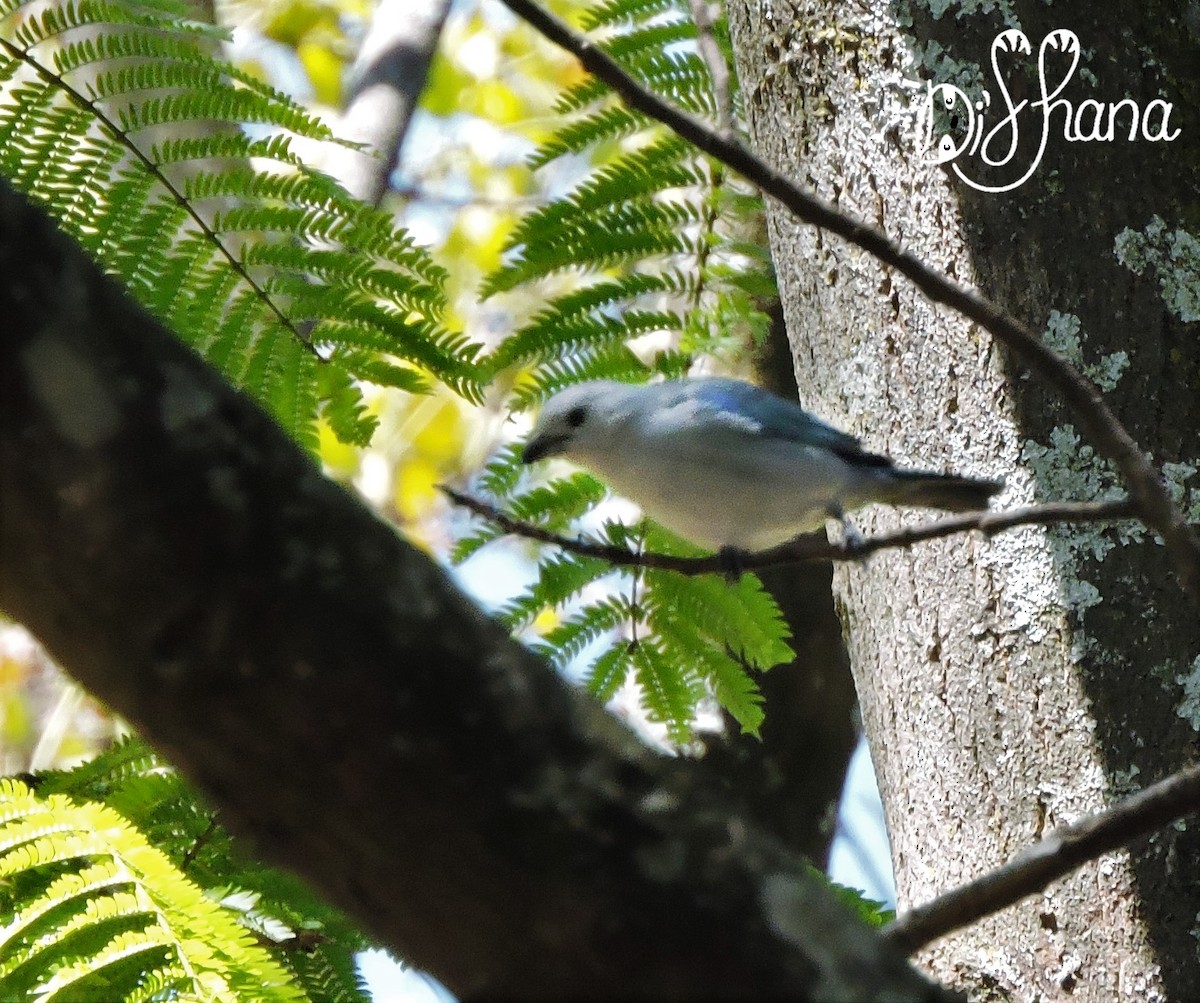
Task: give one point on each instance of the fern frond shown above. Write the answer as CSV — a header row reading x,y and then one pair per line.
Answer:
x,y
552,505
467,546
595,316
503,472
673,364
626,200
627,233
608,672
680,76
343,407
109,944
728,679
613,362
649,171
499,479
94,779
555,504
319,945
547,339
589,303
304,935
721,632
112,898
329,976
241,262
559,578
569,639
219,146
607,124
625,12
669,689
373,369
741,617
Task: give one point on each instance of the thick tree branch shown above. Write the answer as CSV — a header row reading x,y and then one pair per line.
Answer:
x,y
1096,419
1053,857
385,83
810,548
344,705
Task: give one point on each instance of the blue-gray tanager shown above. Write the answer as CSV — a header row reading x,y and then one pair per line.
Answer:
x,y
728,465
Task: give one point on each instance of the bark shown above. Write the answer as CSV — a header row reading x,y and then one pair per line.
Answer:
x,y
346,707
385,84
1007,685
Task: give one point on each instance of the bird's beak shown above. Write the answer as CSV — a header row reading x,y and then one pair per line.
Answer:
x,y
541,446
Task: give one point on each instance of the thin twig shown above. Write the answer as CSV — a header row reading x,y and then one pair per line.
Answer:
x,y
807,548
718,69
1058,854
198,843
1146,488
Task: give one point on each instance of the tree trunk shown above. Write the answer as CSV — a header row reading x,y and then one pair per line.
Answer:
x,y
1007,685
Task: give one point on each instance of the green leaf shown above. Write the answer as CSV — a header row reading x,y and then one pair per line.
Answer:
x,y
874,913
90,907
272,271
311,942
669,691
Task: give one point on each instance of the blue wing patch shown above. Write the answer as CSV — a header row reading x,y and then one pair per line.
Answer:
x,y
777,418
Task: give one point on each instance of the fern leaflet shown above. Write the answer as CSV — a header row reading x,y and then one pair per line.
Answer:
x,y
121,121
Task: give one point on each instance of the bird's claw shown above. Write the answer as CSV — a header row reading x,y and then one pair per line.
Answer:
x,y
850,535
733,563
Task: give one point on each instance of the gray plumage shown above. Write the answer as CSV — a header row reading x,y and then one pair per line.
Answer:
x,y
726,464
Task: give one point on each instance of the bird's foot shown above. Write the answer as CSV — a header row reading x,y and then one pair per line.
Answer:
x,y
850,536
733,563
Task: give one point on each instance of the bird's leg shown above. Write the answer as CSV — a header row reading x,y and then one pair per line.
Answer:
x,y
733,563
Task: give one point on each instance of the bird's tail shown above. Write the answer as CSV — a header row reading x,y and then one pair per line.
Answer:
x,y
925,489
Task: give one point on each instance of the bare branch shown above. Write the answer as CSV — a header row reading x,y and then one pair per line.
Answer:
x,y
1146,488
718,69
809,548
1058,854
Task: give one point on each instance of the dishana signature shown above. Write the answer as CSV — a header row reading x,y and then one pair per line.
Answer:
x,y
1088,122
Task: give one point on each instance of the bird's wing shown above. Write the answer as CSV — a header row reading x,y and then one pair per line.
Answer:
x,y
748,407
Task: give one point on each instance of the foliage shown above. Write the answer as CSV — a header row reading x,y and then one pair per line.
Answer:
x,y
176,170
117,883
868,910
653,239
651,248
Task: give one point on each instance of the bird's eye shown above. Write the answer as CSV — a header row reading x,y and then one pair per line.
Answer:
x,y
576,416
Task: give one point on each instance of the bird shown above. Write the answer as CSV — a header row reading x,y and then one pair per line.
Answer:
x,y
728,465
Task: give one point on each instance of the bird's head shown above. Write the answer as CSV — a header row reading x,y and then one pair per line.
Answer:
x,y
576,421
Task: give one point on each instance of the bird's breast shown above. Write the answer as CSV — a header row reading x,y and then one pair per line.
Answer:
x,y
747,495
